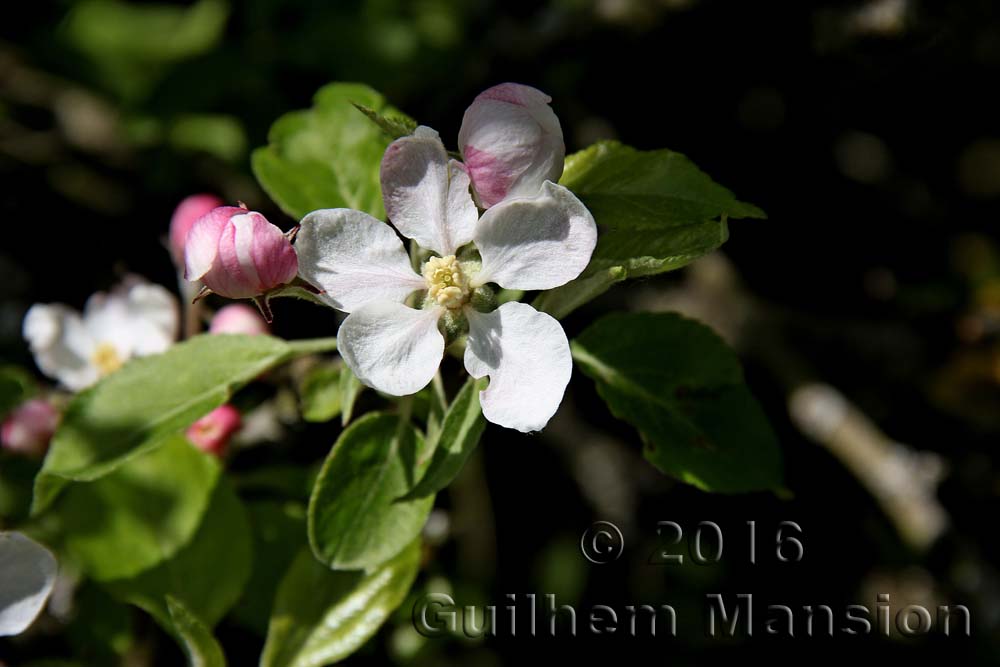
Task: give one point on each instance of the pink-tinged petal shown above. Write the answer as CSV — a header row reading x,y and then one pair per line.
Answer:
x,y
226,277
242,262
511,142
272,253
29,428
184,217
526,355
212,432
535,243
237,318
202,244
427,197
391,347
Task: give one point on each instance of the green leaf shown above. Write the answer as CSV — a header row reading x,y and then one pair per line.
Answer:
x,y
200,646
678,383
463,425
350,389
17,474
562,301
394,126
16,386
321,617
279,533
149,32
319,394
627,188
141,514
100,630
207,575
217,134
135,409
354,521
327,156
133,44
656,212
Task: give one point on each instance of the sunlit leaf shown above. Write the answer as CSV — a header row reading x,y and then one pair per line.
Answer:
x,y
355,520
321,617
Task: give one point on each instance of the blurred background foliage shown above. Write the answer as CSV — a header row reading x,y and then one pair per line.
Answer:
x,y
866,130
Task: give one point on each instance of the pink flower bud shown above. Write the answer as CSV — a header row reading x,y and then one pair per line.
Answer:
x,y
29,427
212,432
238,254
238,319
185,215
511,143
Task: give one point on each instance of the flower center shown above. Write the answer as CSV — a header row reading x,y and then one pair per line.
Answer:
x,y
446,283
106,359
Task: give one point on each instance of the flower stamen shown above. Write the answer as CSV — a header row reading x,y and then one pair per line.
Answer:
x,y
447,284
106,359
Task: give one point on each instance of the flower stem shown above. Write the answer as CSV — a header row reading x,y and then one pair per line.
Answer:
x,y
313,345
438,386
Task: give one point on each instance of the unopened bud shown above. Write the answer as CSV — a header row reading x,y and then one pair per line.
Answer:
x,y
185,215
237,318
29,428
238,254
212,432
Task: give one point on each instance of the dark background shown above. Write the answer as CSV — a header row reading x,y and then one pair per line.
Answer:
x,y
873,147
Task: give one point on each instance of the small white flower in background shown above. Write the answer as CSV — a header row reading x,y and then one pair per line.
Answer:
x,y
133,320
27,575
29,427
536,235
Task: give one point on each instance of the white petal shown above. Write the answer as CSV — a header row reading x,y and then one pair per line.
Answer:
x,y
61,344
27,575
526,354
391,347
106,317
535,243
354,258
153,319
427,197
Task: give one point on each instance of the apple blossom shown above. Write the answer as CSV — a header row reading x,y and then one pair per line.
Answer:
x,y
511,143
532,242
133,320
29,427
237,318
27,576
212,432
238,254
185,215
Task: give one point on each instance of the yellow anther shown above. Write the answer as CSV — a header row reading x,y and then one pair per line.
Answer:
x,y
446,283
106,359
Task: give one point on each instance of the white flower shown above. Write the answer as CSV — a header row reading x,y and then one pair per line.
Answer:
x,y
133,320
534,242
